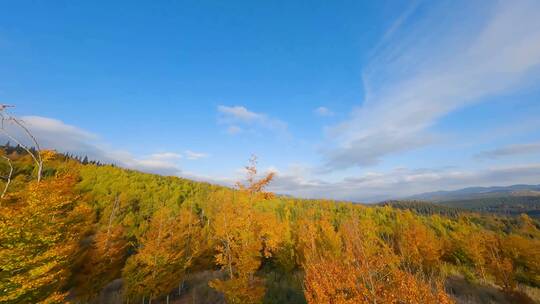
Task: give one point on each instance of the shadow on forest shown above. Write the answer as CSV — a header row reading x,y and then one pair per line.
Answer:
x,y
465,292
196,290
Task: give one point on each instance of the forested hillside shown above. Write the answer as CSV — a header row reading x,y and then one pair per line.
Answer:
x,y
424,208
506,205
478,192
93,233
509,205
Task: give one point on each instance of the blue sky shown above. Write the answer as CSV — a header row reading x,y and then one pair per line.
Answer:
x,y
345,99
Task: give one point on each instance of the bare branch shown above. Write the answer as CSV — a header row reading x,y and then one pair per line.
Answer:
x,y
8,178
5,117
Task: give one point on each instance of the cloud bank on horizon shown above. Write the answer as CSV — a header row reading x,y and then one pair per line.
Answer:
x,y
436,64
55,134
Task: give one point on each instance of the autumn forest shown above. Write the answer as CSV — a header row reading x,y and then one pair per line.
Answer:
x,y
270,152
77,231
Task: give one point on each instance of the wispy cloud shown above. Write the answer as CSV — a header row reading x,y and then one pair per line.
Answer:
x,y
510,150
166,156
233,130
194,155
432,68
154,163
323,111
240,113
239,119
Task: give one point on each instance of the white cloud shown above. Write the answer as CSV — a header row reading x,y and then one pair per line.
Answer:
x,y
510,150
240,113
239,119
234,130
370,186
194,155
55,134
166,156
49,131
433,68
323,111
151,164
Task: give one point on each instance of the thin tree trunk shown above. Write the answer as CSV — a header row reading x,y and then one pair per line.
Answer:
x,y
111,218
8,178
180,287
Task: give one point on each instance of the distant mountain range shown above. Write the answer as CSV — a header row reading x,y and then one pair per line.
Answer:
x,y
478,193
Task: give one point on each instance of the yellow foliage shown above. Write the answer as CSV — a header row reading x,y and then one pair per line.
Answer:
x,y
102,262
166,251
47,155
40,233
417,244
240,291
244,236
365,271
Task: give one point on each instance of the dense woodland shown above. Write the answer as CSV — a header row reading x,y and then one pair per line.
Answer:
x,y
93,233
509,205
425,208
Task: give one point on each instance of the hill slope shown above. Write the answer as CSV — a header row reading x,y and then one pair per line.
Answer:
x,y
86,232
507,205
478,192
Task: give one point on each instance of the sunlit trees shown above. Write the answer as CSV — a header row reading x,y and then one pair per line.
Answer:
x,y
40,230
244,236
166,250
85,226
239,249
102,263
417,244
525,256
365,270
498,264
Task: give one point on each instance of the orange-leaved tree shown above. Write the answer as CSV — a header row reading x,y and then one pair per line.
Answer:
x,y
244,236
417,244
166,251
104,259
364,270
